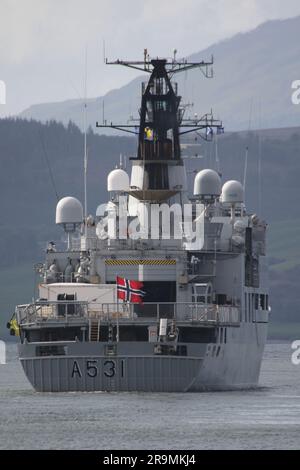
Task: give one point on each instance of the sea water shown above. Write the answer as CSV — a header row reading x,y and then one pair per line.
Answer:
x,y
267,417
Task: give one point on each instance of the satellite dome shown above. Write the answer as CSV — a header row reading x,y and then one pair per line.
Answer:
x,y
118,180
69,211
207,184
232,192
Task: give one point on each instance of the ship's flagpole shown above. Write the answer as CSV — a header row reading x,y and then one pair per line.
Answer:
x,y
85,147
117,338
245,172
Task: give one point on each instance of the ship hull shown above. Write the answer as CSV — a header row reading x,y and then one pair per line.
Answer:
x,y
122,374
228,366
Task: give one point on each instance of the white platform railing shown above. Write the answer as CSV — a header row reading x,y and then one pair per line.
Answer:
x,y
68,311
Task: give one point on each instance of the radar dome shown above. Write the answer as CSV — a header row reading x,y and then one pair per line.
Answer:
x,y
232,192
207,184
118,180
69,211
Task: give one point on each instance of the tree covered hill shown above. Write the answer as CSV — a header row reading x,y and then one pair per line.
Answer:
x,y
42,161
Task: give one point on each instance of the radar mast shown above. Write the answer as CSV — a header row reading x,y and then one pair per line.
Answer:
x,y
161,123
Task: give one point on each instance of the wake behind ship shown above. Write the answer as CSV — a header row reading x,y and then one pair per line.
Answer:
x,y
159,291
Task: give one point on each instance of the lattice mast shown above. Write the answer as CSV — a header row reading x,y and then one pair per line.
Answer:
x,y
162,122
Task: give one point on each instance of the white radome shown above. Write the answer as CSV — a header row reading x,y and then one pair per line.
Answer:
x,y
207,183
232,192
69,211
118,180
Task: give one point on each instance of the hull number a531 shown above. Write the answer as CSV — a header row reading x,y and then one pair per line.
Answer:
x,y
93,368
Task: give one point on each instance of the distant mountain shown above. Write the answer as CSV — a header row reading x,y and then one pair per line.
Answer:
x,y
253,76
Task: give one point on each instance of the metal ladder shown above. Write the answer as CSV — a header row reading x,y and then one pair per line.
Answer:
x,y
94,331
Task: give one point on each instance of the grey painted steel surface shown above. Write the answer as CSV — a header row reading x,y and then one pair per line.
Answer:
x,y
94,373
218,366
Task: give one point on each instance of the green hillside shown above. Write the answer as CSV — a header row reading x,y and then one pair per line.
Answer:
x,y
17,286
284,244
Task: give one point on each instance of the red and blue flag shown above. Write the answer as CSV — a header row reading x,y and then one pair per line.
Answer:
x,y
130,291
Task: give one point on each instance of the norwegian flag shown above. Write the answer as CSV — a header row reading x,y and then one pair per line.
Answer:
x,y
130,291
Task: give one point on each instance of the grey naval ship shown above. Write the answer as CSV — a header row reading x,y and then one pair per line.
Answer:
x,y
126,307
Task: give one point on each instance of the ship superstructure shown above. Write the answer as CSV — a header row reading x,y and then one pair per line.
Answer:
x,y
201,261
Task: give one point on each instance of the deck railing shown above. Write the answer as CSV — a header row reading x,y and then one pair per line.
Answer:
x,y
68,311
